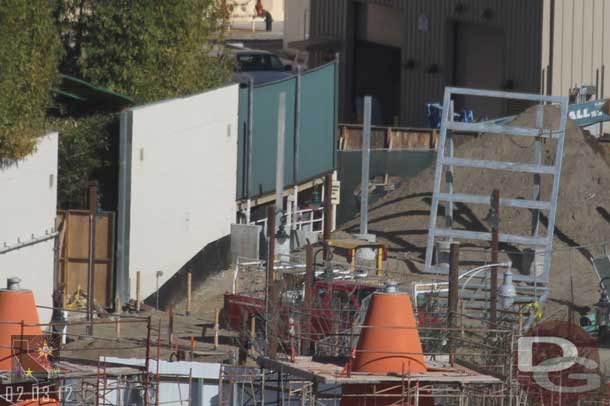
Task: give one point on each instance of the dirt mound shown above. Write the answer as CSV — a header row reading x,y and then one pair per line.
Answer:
x,y
401,218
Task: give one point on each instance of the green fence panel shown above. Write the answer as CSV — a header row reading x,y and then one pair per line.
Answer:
x,y
317,128
264,136
318,124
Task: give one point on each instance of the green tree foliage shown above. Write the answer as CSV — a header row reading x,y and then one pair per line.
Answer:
x,y
85,153
153,49
29,54
146,49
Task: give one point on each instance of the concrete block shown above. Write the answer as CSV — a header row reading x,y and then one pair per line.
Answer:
x,y
245,241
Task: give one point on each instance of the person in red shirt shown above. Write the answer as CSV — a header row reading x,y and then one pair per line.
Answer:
x,y
261,12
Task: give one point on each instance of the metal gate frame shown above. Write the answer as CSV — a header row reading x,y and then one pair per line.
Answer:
x,y
445,158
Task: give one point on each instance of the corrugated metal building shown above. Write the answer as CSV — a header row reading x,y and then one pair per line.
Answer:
x,y
577,44
404,52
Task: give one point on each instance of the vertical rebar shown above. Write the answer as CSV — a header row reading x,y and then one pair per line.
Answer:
x,y
454,274
97,383
495,248
147,361
449,181
158,362
270,272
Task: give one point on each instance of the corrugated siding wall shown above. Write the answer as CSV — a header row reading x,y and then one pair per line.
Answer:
x,y
329,20
519,19
581,44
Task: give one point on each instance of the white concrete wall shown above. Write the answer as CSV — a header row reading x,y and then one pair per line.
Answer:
x,y
183,181
28,205
296,21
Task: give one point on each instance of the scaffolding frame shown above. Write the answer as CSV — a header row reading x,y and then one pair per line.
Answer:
x,y
447,160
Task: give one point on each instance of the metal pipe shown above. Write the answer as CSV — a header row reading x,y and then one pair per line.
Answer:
x,y
366,152
454,279
91,263
279,167
147,361
249,138
495,248
270,272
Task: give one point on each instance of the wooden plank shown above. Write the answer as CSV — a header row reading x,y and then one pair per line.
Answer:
x,y
74,258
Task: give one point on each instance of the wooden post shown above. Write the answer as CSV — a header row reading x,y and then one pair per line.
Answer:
x,y
216,327
117,326
170,327
462,313
243,339
495,248
379,261
117,318
117,305
273,333
253,328
189,296
138,291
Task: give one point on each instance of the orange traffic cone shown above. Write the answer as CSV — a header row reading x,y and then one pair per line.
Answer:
x,y
389,343
16,306
389,340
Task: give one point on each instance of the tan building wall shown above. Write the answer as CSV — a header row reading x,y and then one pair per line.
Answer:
x,y
427,44
576,46
579,42
296,20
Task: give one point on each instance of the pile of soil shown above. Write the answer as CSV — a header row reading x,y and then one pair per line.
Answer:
x,y
401,218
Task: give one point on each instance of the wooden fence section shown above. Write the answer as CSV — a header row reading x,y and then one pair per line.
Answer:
x,y
394,138
350,138
74,254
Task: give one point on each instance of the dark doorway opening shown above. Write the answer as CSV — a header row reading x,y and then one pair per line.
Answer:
x,y
377,74
478,55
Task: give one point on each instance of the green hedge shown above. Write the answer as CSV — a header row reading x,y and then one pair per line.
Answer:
x,y
29,54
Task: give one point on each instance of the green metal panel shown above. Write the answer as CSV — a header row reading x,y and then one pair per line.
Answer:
x,y
317,131
317,122
264,135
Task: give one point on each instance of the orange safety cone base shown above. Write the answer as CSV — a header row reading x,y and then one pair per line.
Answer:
x,y
389,341
15,306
